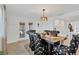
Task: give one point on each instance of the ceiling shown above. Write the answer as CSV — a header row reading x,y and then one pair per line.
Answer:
x,y
35,10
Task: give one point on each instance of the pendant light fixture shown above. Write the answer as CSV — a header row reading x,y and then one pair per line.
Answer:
x,y
44,18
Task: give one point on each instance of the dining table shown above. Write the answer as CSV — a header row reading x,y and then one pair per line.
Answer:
x,y
52,38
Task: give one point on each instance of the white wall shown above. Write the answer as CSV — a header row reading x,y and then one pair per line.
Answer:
x,y
12,29
13,26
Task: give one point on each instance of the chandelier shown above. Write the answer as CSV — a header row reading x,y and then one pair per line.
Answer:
x,y
44,18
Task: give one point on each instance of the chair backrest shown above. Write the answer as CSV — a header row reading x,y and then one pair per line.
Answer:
x,y
41,46
45,46
73,45
32,41
38,45
77,38
74,42
31,31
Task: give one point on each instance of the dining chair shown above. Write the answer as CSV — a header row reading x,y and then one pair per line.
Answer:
x,y
32,41
38,45
73,45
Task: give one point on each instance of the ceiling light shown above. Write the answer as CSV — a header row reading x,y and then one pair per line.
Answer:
x,y
44,18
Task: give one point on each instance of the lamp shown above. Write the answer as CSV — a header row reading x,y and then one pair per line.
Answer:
x,y
44,18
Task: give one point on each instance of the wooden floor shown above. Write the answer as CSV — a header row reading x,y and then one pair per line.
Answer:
x,y
22,48
19,48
